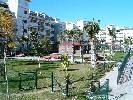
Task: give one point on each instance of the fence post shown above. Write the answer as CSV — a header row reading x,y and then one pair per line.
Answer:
x,y
107,89
104,64
67,86
36,78
52,82
19,81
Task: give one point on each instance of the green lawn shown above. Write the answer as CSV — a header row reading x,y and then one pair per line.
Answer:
x,y
118,56
80,78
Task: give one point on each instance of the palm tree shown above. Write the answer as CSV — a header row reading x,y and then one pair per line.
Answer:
x,y
120,43
128,42
61,36
112,33
73,35
92,28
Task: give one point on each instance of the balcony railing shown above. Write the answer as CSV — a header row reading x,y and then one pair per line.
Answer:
x,y
33,24
28,0
47,28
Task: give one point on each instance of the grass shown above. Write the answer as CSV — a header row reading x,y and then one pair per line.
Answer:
x,y
80,78
118,56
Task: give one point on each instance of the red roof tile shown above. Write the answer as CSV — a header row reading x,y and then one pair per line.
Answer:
x,y
70,43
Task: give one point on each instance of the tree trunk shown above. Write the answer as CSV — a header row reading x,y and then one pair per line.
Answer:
x,y
93,56
39,66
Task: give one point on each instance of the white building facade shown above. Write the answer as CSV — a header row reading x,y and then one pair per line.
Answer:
x,y
80,24
21,10
28,20
70,25
121,35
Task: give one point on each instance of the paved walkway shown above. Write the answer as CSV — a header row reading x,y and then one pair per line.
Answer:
x,y
120,92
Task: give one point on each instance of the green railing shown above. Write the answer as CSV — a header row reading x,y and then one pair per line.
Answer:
x,y
100,92
123,65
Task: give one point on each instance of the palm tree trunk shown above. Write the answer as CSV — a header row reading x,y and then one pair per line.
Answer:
x,y
111,51
120,45
81,53
72,56
129,44
111,47
125,47
93,56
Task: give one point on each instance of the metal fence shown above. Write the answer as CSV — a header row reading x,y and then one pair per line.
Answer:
x,y
122,66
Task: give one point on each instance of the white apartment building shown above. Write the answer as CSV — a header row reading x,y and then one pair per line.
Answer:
x,y
70,25
21,10
80,24
41,23
28,20
3,0
121,35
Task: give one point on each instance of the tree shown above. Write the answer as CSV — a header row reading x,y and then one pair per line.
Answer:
x,y
120,42
128,42
112,33
61,36
7,23
73,35
7,29
92,28
38,44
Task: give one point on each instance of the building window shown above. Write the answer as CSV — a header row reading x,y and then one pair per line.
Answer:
x,y
34,20
47,24
25,21
25,12
25,30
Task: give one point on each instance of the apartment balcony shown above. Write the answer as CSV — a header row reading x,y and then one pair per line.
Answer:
x,y
52,29
47,35
32,16
52,35
47,28
42,19
42,33
28,0
47,20
41,16
33,24
32,13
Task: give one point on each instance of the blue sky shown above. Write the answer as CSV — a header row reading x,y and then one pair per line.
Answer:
x,y
118,12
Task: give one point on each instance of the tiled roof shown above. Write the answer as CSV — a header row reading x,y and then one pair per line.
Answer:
x,y
70,43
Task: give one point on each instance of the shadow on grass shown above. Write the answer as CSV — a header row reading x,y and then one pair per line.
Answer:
x,y
47,67
72,69
29,62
